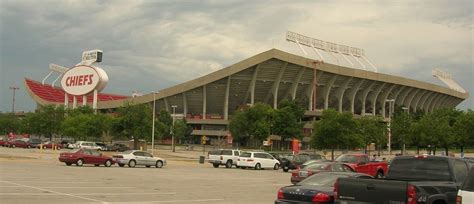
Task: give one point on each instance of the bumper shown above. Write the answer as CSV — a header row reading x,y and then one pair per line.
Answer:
x,y
215,161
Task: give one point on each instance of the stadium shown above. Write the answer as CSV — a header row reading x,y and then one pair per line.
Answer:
x,y
208,102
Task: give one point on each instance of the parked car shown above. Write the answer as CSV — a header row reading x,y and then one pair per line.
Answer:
x,y
257,160
297,160
3,141
33,142
362,164
118,147
51,145
317,188
86,145
23,143
85,156
466,192
225,157
410,180
314,168
137,157
103,146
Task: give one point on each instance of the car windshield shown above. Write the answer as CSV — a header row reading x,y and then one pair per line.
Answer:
x,y
246,154
347,159
322,179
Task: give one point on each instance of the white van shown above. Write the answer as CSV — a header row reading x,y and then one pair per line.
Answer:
x,y
257,160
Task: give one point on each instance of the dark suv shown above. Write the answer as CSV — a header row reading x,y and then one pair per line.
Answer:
x,y
297,160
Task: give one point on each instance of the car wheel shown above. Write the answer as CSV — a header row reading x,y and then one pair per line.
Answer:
x,y
131,163
258,166
215,165
108,163
159,164
13,146
79,162
285,169
58,148
276,167
379,175
121,165
228,164
28,146
44,147
68,164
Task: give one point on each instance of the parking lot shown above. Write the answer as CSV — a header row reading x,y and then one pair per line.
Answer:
x,y
35,176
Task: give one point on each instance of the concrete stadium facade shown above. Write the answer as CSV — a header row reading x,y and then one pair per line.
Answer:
x,y
208,102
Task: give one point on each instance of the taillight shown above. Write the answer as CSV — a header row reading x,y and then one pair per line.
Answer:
x,y
294,173
411,194
321,197
336,189
459,200
280,194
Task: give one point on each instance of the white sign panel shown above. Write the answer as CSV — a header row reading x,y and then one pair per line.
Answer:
x,y
80,80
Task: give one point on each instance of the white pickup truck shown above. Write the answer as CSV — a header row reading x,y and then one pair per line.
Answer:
x,y
227,157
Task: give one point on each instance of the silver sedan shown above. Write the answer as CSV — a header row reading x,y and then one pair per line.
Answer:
x,y
137,157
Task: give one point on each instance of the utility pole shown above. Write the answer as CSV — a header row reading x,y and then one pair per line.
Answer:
x,y
172,128
14,88
153,128
391,103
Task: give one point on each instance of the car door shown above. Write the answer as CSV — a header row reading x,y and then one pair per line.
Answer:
x,y
87,155
140,158
149,159
267,159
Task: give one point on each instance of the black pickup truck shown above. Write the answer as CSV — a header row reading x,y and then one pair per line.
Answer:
x,y
410,180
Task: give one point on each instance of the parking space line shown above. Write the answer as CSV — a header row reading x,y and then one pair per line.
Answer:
x,y
112,187
175,201
50,191
85,194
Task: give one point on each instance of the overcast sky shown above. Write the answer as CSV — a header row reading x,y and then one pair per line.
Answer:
x,y
151,45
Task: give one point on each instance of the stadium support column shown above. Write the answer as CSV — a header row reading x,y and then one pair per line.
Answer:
x,y
226,102
327,91
424,101
167,105
294,86
411,97
204,102
274,90
374,98
251,88
353,93
364,96
340,92
185,104
384,98
310,91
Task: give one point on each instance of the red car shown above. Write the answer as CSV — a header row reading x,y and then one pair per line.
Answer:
x,y
362,164
51,145
85,156
3,141
19,143
314,168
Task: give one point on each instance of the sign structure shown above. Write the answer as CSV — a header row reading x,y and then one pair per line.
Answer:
x,y
203,140
82,80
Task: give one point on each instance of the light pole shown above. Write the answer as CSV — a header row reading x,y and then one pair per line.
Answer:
x,y
14,88
172,128
153,126
390,112
406,111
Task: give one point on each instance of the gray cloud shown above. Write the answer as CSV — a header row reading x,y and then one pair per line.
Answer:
x,y
150,45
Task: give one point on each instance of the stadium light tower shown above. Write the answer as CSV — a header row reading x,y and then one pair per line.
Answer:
x,y
14,88
391,103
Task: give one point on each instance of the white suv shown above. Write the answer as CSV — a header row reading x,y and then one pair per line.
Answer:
x,y
257,160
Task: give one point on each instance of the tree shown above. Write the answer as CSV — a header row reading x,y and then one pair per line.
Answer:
x,y
46,121
335,130
252,124
75,125
464,130
134,121
372,129
9,123
287,120
400,127
164,124
181,130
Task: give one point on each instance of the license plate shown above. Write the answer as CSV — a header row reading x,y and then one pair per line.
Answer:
x,y
303,174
